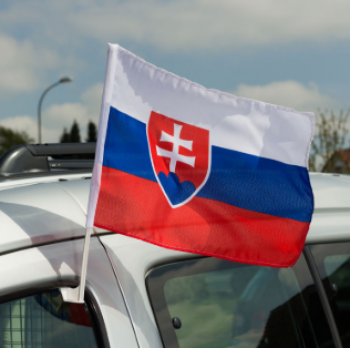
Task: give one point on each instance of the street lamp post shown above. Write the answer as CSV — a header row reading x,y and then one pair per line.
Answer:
x,y
62,80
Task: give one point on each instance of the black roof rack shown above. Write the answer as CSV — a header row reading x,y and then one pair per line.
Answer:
x,y
29,159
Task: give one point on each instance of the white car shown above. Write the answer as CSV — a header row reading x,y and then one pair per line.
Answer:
x,y
141,295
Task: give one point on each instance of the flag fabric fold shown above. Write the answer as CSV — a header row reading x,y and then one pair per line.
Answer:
x,y
199,170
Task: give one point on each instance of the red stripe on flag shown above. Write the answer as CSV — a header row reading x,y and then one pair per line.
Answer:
x,y
137,207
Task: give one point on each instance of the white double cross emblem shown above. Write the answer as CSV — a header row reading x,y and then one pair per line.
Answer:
x,y
177,142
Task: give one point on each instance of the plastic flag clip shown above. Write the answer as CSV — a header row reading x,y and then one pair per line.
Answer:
x,y
76,295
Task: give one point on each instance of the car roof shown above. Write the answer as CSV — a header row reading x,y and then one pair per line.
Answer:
x,y
40,210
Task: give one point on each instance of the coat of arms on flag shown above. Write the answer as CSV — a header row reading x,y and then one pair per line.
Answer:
x,y
198,170
180,155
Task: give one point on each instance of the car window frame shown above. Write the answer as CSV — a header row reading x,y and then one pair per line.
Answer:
x,y
97,320
321,290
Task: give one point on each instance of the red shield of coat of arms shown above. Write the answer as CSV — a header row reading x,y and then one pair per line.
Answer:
x,y
180,154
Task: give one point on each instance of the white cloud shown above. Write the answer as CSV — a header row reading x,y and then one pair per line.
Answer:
x,y
59,116
22,65
187,24
288,93
28,124
92,98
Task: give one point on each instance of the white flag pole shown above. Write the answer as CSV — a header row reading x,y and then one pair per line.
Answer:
x,y
76,295
84,263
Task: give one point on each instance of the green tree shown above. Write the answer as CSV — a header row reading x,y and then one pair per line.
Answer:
x,y
73,136
75,133
92,133
65,137
331,135
10,138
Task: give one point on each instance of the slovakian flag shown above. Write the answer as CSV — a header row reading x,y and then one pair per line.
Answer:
x,y
198,170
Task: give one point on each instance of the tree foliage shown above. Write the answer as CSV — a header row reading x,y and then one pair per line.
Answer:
x,y
65,137
10,138
75,133
331,135
73,136
92,133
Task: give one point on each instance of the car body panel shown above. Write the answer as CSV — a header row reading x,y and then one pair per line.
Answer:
x,y
331,191
9,182
38,214
331,218
79,190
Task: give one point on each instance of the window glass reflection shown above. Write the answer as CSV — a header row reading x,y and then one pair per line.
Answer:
x,y
45,321
333,263
223,304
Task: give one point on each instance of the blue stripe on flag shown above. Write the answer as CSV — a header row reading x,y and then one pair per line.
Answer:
x,y
126,146
245,181
259,184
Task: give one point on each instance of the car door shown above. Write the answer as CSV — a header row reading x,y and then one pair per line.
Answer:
x,y
200,302
32,311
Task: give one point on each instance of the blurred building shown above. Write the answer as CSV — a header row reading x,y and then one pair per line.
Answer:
x,y
338,163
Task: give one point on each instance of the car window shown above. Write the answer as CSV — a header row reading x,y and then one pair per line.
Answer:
x,y
221,304
333,263
45,321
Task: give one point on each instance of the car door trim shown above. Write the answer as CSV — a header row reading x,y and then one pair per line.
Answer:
x,y
122,292
323,296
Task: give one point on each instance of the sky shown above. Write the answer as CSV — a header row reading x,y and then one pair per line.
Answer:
x,y
292,53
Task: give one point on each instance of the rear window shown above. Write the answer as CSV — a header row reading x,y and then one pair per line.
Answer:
x,y
212,303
